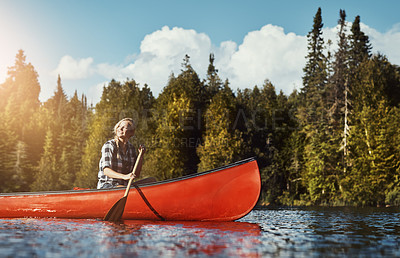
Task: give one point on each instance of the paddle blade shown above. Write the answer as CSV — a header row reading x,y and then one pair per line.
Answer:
x,y
116,211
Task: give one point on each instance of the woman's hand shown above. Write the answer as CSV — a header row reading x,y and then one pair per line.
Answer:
x,y
142,148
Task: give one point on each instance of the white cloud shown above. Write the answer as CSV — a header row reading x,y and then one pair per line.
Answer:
x,y
265,54
111,71
72,69
162,52
94,93
271,54
268,53
385,43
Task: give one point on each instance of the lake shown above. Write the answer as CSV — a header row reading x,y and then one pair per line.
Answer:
x,y
279,232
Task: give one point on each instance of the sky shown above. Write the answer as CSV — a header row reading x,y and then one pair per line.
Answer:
x,y
89,43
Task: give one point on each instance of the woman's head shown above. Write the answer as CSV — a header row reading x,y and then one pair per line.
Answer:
x,y
124,129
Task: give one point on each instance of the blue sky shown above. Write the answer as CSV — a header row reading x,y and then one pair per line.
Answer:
x,y
90,42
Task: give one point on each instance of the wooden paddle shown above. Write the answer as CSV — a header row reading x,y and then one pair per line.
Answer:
x,y
116,211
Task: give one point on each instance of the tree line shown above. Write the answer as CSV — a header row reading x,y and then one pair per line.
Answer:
x,y
333,142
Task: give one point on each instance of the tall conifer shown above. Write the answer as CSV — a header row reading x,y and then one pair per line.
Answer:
x,y
184,96
317,175
222,142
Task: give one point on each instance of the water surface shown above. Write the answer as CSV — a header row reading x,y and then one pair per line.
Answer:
x,y
289,232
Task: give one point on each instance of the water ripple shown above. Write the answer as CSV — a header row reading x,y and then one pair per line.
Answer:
x,y
284,232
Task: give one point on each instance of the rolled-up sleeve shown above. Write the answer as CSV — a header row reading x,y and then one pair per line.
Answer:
x,y
106,155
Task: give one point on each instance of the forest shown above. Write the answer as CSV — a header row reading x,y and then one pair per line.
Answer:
x,y
333,142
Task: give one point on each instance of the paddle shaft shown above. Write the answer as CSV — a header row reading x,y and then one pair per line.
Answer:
x,y
116,211
134,172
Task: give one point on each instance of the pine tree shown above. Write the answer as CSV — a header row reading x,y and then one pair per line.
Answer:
x,y
46,177
57,102
72,142
19,105
22,170
273,175
315,71
24,88
318,176
373,153
360,48
168,157
338,108
65,172
67,120
340,72
8,141
222,144
184,96
214,83
255,119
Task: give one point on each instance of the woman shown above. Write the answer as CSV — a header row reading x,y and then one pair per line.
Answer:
x,y
118,157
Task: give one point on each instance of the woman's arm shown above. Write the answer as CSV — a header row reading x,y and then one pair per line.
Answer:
x,y
111,173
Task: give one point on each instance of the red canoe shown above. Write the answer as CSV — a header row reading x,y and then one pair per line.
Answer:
x,y
224,194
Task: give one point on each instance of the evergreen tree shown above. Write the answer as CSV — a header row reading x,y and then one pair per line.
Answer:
x,y
72,142
8,141
58,101
374,155
23,85
266,123
360,48
315,71
46,177
168,157
359,51
66,171
252,120
319,172
222,144
214,83
293,155
338,108
22,170
19,104
182,102
340,72
67,121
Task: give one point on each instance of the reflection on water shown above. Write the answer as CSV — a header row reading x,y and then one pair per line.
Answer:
x,y
92,238
297,232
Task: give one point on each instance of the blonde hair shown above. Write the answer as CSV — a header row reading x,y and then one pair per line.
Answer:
x,y
117,125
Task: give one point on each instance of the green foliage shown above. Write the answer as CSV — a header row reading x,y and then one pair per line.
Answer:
x,y
172,141
65,129
178,120
360,47
21,94
319,168
46,177
393,197
19,102
222,143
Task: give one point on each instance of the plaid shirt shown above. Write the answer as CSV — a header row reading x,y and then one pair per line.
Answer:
x,y
122,163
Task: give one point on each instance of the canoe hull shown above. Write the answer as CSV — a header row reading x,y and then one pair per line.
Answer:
x,y
224,194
